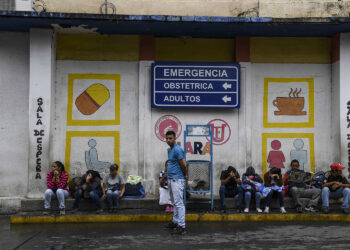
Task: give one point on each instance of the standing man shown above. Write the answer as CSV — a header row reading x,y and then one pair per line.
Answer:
x,y
177,173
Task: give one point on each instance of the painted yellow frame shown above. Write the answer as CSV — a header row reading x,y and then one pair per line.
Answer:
x,y
70,134
265,136
71,78
309,124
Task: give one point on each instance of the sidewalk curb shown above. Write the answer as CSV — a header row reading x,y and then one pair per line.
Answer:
x,y
166,218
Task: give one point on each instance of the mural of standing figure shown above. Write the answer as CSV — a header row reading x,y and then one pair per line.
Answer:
x,y
276,156
299,154
91,158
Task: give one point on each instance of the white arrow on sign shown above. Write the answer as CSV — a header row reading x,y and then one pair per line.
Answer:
x,y
227,86
226,99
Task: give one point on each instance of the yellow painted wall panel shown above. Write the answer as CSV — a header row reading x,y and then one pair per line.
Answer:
x,y
194,49
290,50
95,47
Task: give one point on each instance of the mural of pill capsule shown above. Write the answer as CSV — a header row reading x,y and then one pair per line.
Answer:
x,y
92,99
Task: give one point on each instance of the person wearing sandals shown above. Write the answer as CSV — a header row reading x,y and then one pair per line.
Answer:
x,y
252,185
56,182
113,187
164,196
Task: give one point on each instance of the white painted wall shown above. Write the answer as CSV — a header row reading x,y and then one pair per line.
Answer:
x,y
14,85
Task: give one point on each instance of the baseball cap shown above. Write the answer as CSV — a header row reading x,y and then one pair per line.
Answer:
x,y
114,167
336,166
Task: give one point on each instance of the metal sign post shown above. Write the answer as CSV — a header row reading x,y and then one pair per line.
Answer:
x,y
200,172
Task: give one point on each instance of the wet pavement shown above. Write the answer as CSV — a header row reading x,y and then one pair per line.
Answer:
x,y
214,235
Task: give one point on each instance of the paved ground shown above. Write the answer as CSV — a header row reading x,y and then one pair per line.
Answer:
x,y
230,235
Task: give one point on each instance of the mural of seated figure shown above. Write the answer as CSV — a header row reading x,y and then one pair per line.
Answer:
x,y
91,158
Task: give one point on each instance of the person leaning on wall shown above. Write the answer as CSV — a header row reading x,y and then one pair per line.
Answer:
x,y
56,182
113,187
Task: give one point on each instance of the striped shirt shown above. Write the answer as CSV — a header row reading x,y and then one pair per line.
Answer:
x,y
62,184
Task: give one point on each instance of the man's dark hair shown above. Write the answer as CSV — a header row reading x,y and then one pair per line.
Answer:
x,y
170,132
230,168
293,161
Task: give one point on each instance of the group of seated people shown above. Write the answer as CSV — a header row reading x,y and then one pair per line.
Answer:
x,y
295,183
113,188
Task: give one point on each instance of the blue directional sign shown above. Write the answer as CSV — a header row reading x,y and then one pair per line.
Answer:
x,y
195,85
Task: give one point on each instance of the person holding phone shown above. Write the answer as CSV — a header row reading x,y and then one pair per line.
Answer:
x,y
90,187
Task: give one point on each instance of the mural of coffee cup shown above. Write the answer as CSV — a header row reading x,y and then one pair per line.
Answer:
x,y
292,105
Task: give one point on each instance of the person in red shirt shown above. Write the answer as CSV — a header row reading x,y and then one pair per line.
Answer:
x,y
56,182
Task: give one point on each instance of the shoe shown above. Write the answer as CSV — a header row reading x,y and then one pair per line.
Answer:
x,y
325,210
300,209
167,209
171,209
239,210
62,211
99,211
47,211
246,210
223,208
346,210
283,211
311,209
171,225
75,211
267,210
180,231
259,210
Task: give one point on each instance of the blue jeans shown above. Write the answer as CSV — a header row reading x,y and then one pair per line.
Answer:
x,y
248,196
225,192
341,192
60,194
176,191
112,198
276,193
94,195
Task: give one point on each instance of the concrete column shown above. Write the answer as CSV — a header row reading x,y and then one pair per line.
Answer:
x,y
145,114
41,80
344,100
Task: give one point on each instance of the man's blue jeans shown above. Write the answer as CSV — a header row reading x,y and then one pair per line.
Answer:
x,y
176,191
341,192
94,195
112,198
248,196
225,192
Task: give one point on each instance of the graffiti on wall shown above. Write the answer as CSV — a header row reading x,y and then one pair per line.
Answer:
x,y
288,103
85,149
39,132
167,123
279,149
97,100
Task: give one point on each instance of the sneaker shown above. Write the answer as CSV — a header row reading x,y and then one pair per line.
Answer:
x,y
259,210
223,208
246,210
47,211
180,231
171,225
167,209
325,210
346,210
300,209
267,210
62,211
239,210
99,211
283,211
311,209
171,209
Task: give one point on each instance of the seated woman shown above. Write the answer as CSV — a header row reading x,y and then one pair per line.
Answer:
x,y
113,187
252,185
56,182
90,187
164,197
273,181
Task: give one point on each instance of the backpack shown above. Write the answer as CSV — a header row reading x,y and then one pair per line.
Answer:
x,y
317,180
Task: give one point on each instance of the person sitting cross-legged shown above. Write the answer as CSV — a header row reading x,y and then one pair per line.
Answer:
x,y
252,186
113,187
298,183
335,186
229,187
